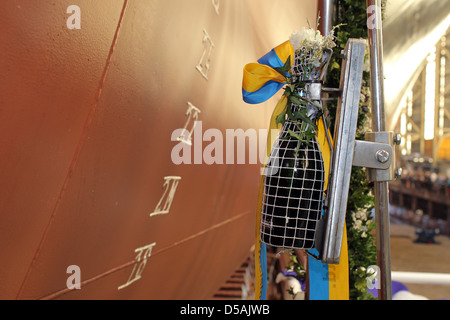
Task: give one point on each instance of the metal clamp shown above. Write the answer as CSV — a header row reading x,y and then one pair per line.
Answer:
x,y
377,154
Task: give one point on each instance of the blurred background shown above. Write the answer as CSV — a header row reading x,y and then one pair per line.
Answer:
x,y
417,87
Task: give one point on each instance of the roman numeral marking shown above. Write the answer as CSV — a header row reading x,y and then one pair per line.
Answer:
x,y
192,114
216,5
205,60
141,261
164,204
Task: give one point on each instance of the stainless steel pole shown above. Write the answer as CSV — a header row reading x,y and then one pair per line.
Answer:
x,y
379,125
325,8
325,11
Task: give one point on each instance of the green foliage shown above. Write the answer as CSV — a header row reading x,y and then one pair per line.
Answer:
x,y
308,127
284,70
297,267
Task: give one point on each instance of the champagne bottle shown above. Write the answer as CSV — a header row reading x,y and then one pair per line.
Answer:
x,y
295,173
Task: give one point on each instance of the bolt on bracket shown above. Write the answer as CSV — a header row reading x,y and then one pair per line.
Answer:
x,y
377,154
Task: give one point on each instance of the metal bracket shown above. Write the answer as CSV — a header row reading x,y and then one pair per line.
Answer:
x,y
372,155
377,154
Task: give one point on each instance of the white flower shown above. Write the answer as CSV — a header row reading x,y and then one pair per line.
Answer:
x,y
306,37
319,39
360,215
366,64
309,34
296,39
357,224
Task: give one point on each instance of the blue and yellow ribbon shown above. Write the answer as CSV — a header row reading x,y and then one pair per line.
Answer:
x,y
261,82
